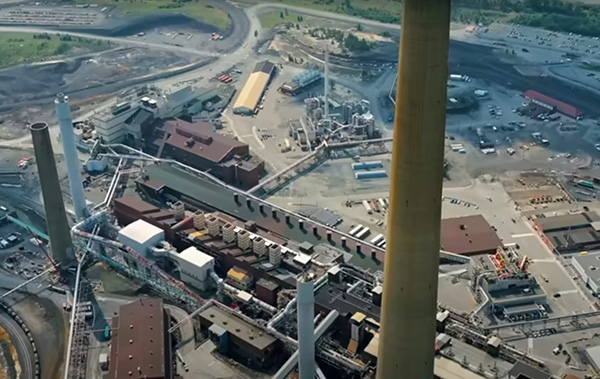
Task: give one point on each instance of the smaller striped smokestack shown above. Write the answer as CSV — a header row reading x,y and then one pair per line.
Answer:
x,y
63,113
56,215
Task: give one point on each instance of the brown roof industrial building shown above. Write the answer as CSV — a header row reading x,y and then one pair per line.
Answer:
x,y
470,235
254,88
199,146
571,232
141,345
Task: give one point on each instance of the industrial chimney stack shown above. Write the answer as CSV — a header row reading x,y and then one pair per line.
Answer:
x,y
63,113
306,326
413,234
56,215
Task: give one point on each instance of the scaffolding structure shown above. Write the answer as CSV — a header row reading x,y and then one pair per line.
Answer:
x,y
80,341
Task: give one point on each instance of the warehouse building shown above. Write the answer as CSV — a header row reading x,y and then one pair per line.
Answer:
x,y
254,88
141,343
552,105
199,146
571,232
141,236
240,339
587,266
194,267
470,235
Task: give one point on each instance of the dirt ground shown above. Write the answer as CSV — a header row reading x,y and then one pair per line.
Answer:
x,y
48,325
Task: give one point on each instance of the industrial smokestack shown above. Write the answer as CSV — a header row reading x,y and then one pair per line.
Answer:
x,y
56,216
63,113
413,239
306,313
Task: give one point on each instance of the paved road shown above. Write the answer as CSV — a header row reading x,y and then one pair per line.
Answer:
x,y
21,342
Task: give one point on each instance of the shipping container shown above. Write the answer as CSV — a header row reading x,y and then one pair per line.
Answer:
x,y
367,207
376,240
375,205
382,204
355,230
363,233
370,174
366,165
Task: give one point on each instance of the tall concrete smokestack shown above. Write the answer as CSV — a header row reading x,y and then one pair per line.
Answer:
x,y
63,112
413,233
56,216
306,328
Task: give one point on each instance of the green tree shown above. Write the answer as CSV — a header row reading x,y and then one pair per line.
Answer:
x,y
348,4
256,33
359,27
286,12
281,14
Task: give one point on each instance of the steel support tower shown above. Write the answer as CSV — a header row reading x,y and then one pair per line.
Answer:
x,y
56,215
413,234
63,113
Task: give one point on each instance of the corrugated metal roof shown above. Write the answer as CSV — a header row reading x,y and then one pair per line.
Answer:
x,y
571,221
138,343
528,371
252,91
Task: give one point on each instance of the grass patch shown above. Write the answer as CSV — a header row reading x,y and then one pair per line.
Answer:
x,y
16,48
206,13
272,19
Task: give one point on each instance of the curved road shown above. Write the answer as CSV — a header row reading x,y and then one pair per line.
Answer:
x,y
21,343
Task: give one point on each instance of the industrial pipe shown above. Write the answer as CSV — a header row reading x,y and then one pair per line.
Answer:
x,y
413,233
305,320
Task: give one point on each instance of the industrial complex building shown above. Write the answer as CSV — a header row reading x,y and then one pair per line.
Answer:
x,y
470,235
255,87
199,146
141,343
571,232
588,268
552,105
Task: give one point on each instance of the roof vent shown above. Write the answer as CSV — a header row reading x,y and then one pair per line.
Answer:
x,y
224,322
130,326
238,330
463,227
130,342
139,369
211,315
151,352
190,142
130,373
130,356
251,337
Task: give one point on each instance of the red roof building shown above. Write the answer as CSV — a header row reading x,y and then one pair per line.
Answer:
x,y
199,146
141,343
553,104
470,235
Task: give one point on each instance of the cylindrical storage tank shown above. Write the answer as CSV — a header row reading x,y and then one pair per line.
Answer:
x,y
243,241
199,220
213,226
370,174
228,231
275,254
258,246
178,211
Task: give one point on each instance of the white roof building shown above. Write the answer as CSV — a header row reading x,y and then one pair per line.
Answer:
x,y
141,235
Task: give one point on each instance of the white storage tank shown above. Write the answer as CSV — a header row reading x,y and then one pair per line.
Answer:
x,y
244,242
258,246
141,235
274,254
228,231
194,267
213,226
199,220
